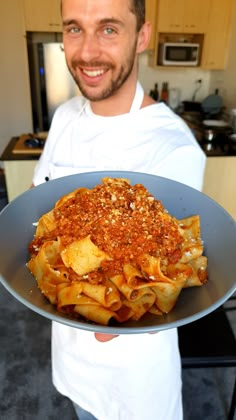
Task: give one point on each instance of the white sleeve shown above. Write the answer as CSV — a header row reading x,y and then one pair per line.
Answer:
x,y
41,172
186,165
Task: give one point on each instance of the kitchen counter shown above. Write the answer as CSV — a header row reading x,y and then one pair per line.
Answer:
x,y
219,181
16,150
19,162
221,147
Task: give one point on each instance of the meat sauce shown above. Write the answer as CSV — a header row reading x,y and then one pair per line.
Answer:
x,y
122,220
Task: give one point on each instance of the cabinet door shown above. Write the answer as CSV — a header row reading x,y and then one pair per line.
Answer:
x,y
170,16
42,15
151,13
220,182
215,47
196,15
186,16
19,175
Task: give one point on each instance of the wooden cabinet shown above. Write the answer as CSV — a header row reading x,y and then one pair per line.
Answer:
x,y
170,16
151,14
209,20
19,175
220,182
183,16
42,15
196,14
215,47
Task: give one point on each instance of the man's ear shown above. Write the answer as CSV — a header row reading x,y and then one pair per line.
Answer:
x,y
144,37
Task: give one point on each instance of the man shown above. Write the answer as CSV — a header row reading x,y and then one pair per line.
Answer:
x,y
114,125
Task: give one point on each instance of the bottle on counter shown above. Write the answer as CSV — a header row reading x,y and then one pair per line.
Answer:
x,y
154,93
165,92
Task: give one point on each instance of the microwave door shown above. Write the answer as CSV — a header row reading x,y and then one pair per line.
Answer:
x,y
176,55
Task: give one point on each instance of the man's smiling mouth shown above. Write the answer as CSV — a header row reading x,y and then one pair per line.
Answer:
x,y
93,73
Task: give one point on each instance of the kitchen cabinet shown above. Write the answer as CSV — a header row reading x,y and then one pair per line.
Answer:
x,y
42,15
215,47
220,182
151,14
18,175
183,16
208,22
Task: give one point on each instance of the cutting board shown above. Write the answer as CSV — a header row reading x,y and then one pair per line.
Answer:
x,y
21,148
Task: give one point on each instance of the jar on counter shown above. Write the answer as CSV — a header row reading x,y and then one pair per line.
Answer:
x,y
174,98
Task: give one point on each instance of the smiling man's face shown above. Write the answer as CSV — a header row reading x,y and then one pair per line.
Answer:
x,y
101,45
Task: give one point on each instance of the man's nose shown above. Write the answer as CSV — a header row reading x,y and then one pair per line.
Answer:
x,y
89,48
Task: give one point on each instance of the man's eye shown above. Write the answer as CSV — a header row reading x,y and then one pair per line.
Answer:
x,y
109,31
74,30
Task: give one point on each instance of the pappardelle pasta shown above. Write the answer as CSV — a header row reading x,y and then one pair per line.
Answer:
x,y
113,253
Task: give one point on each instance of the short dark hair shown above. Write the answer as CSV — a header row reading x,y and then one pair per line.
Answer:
x,y
138,8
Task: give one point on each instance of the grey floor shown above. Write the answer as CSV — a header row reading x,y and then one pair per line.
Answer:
x,y
26,390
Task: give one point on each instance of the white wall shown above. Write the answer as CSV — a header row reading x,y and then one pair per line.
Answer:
x,y
184,79
15,107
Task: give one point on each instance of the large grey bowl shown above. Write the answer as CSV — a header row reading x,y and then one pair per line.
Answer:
x,y
218,233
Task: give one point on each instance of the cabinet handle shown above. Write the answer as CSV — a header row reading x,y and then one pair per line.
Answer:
x,y
54,24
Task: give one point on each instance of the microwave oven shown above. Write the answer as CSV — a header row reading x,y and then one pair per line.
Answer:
x,y
178,54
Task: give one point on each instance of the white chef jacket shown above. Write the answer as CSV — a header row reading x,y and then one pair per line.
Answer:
x,y
132,377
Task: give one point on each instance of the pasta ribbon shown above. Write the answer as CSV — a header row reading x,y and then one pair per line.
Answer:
x,y
83,256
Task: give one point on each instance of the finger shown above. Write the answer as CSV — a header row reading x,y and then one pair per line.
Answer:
x,y
104,337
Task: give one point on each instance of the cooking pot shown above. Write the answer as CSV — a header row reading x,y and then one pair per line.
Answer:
x,y
213,129
209,135
232,138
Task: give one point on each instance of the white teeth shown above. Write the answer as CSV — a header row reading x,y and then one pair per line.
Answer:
x,y
93,73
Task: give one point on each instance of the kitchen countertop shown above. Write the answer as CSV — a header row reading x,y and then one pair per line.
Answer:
x,y
12,152
15,149
221,147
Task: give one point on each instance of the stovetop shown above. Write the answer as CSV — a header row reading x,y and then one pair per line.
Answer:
x,y
220,146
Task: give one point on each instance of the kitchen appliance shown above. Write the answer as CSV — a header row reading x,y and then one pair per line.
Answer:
x,y
50,81
213,129
216,137
178,54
